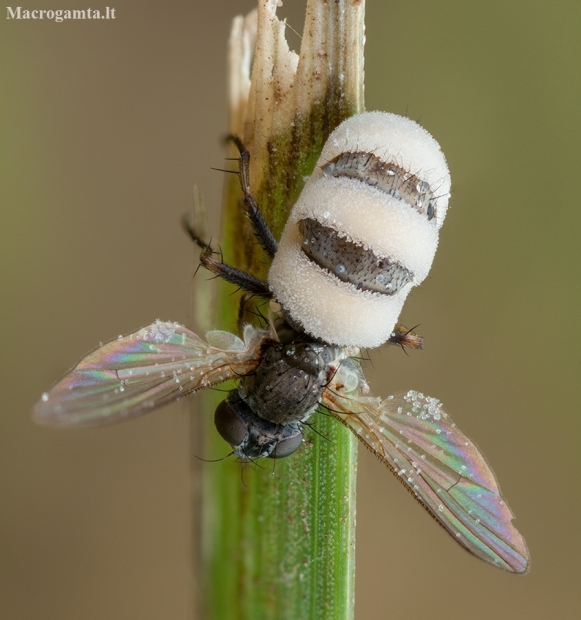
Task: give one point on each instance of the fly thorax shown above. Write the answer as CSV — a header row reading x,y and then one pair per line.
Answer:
x,y
287,385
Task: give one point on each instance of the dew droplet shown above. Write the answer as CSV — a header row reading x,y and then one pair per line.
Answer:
x,y
422,187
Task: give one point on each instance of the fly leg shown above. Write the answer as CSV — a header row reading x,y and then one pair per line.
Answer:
x,y
262,232
260,228
240,278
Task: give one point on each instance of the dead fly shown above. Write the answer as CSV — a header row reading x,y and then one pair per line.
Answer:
x,y
362,233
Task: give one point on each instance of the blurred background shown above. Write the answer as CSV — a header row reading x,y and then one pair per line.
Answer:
x,y
105,127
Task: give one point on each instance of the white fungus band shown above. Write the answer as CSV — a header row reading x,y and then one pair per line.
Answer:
x,y
392,220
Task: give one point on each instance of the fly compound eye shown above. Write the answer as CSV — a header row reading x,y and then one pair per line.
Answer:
x,y
287,446
229,425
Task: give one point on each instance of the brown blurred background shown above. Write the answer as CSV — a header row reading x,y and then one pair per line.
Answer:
x,y
106,126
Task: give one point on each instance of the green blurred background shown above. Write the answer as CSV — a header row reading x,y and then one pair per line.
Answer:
x,y
106,125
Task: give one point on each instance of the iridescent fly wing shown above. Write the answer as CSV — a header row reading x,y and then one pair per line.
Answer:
x,y
134,374
445,471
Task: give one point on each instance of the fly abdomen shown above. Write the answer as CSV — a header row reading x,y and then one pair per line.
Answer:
x,y
363,232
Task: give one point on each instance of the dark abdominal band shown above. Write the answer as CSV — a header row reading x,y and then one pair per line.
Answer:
x,y
386,177
351,262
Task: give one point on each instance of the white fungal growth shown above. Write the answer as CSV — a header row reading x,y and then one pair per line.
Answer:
x,y
391,213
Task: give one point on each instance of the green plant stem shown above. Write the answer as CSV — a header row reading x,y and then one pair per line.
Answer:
x,y
278,537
